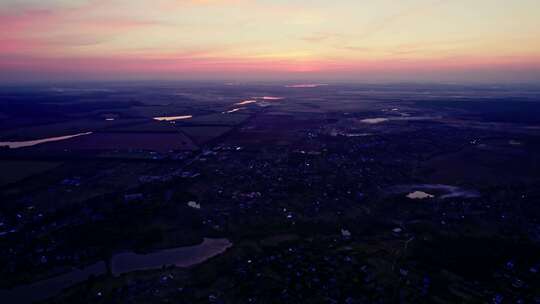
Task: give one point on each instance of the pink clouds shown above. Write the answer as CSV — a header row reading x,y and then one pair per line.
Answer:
x,y
48,32
120,38
16,25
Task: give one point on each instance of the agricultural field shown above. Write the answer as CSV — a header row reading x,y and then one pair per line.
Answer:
x,y
125,141
16,171
203,134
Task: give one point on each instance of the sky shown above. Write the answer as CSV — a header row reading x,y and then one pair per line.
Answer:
x,y
340,40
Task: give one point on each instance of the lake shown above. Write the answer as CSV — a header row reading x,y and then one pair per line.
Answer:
x,y
173,118
29,143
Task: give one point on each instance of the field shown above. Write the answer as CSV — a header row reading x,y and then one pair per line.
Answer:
x,y
15,171
160,142
202,135
217,119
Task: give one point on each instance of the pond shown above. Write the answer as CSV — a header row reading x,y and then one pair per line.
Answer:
x,y
120,263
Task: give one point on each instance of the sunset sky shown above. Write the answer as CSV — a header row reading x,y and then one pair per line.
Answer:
x,y
342,40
